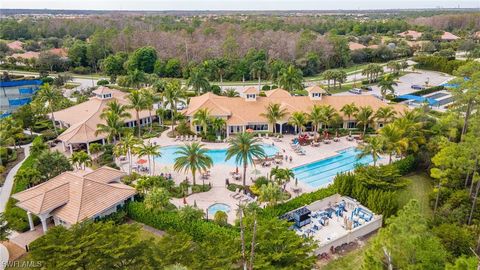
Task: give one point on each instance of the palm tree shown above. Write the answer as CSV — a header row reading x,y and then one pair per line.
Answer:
x,y
218,125
274,113
137,102
270,193
50,95
349,110
291,78
151,151
373,146
198,81
172,94
113,126
394,141
282,176
328,75
202,118
386,84
129,145
386,114
82,159
231,92
95,148
116,108
150,98
316,116
298,120
257,70
244,147
364,117
192,157
328,114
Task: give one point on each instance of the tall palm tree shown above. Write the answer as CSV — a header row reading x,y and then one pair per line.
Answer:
x,y
386,85
115,108
192,157
82,159
198,81
202,118
349,110
258,70
316,116
364,117
218,125
231,92
150,98
298,120
50,95
270,193
151,151
129,145
244,147
113,126
172,94
137,102
394,141
373,146
291,78
328,114
274,113
386,114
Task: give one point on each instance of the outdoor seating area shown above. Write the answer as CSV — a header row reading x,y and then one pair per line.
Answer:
x,y
242,197
333,221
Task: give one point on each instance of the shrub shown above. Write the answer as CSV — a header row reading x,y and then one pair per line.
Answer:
x,y
234,187
171,220
221,218
266,87
102,82
201,188
406,165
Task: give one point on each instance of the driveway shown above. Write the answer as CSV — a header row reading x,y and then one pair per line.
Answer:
x,y
419,77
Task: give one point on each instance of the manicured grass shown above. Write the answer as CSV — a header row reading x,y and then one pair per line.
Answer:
x,y
419,188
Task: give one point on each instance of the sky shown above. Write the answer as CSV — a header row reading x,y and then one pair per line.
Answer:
x,y
236,4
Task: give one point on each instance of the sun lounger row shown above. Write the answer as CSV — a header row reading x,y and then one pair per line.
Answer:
x,y
187,138
239,195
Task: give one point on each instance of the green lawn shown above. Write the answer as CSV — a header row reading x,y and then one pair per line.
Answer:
x,y
419,188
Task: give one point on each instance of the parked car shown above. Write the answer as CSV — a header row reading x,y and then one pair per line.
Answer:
x,y
417,87
356,91
367,88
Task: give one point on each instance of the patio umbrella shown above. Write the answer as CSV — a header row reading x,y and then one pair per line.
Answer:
x,y
249,130
256,172
141,161
296,181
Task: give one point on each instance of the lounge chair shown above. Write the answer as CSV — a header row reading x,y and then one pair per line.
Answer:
x,y
235,194
177,138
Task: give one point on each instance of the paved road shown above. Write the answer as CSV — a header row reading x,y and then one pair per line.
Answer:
x,y
8,184
419,77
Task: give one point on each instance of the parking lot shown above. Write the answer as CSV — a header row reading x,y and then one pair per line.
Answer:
x,y
419,77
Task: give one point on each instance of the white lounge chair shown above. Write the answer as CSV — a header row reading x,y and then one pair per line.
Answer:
x,y
177,138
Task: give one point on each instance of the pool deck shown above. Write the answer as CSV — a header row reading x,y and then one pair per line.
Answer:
x,y
219,173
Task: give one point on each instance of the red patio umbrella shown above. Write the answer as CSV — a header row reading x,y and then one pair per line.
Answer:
x,y
249,130
141,161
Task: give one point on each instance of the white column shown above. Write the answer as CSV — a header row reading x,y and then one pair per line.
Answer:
x,y
281,128
103,141
63,145
44,224
71,148
228,131
30,221
88,148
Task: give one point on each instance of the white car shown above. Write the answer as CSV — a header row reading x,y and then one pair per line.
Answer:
x,y
356,91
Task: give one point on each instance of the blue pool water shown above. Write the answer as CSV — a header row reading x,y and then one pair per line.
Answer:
x,y
218,155
214,208
322,172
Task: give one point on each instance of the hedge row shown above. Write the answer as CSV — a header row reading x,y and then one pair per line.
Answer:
x,y
171,220
302,200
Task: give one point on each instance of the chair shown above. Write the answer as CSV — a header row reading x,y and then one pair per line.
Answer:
x,y
234,194
177,138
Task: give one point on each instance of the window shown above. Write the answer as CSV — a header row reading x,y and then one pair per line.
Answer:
x,y
316,95
251,96
107,95
380,125
259,127
351,124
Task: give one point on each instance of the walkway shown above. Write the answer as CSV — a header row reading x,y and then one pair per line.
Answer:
x,y
8,184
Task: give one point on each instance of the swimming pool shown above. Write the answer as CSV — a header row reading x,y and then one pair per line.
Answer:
x,y
218,155
214,208
323,171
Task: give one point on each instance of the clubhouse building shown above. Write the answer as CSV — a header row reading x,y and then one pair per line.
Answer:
x,y
245,112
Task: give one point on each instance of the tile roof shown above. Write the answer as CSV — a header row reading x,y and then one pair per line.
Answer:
x,y
316,89
449,36
15,45
251,90
244,112
73,197
26,55
355,46
412,33
83,118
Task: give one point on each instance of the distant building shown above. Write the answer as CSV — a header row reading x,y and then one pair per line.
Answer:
x,y
73,197
355,46
26,55
411,34
447,36
15,45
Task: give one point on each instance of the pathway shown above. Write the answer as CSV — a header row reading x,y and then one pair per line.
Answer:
x,y
8,184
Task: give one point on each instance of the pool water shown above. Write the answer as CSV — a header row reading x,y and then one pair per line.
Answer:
x,y
322,172
218,155
214,208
